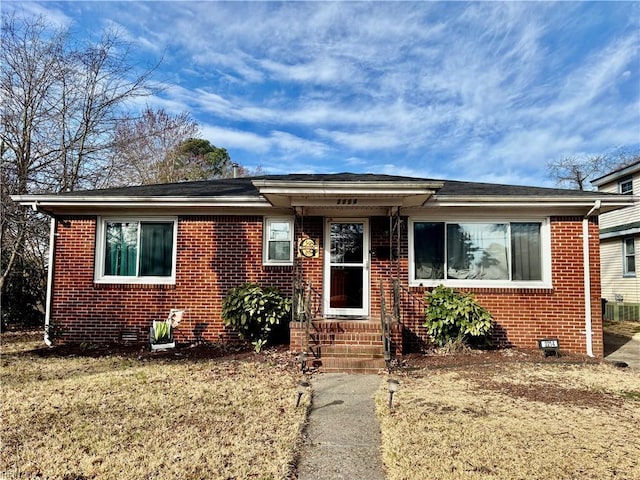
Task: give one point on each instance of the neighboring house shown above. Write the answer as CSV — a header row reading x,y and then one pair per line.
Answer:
x,y
123,257
620,245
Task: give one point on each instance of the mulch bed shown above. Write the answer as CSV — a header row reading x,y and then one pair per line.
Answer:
x,y
435,359
281,354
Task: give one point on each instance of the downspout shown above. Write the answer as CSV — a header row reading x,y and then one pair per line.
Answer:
x,y
52,248
587,278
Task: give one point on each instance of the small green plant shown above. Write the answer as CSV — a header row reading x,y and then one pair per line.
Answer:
x,y
631,395
162,331
252,311
454,318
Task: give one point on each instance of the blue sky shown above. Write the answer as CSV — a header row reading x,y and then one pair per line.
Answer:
x,y
485,91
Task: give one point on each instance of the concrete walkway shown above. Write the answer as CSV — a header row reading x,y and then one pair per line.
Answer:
x,y
343,435
618,349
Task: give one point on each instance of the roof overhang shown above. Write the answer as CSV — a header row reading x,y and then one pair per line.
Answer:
x,y
578,203
618,174
78,204
332,194
323,197
617,231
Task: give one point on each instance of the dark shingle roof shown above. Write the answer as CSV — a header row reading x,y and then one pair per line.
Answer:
x,y
341,177
243,187
233,187
458,188
631,167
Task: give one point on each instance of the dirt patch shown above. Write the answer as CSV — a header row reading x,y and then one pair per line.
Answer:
x,y
30,343
436,359
192,352
556,395
488,371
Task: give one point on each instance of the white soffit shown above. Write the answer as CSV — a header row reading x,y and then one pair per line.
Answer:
x,y
346,194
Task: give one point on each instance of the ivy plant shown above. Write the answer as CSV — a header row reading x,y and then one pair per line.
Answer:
x,y
252,311
455,318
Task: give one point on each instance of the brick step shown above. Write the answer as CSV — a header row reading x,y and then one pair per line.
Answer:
x,y
352,365
349,332
347,339
353,351
346,351
353,346
344,326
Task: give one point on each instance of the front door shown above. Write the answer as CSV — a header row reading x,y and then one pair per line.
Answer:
x,y
346,286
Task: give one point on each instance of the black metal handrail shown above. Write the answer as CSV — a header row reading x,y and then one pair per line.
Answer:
x,y
404,296
306,309
406,307
385,323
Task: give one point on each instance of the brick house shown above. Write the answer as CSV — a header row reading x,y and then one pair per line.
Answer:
x,y
619,242
354,249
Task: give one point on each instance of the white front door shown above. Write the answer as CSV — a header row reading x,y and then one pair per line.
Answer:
x,y
346,267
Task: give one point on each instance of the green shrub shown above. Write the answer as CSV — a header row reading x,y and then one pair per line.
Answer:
x,y
252,310
455,318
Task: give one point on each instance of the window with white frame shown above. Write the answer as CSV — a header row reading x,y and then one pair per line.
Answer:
x,y
136,250
278,241
626,186
479,253
629,257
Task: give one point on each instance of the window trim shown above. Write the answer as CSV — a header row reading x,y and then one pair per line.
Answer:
x,y
624,181
267,221
100,277
545,241
625,272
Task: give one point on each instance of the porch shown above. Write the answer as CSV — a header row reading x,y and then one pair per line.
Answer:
x,y
351,239
352,344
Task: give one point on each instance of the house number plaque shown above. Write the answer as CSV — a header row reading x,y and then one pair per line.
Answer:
x,y
308,247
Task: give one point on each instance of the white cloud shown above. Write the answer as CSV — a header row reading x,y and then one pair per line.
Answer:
x,y
236,139
53,15
481,90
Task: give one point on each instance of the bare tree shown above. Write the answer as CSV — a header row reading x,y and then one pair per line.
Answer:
x,y
60,105
145,148
157,147
577,172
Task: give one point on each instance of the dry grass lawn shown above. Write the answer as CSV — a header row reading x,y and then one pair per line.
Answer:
x,y
117,417
128,417
622,328
513,421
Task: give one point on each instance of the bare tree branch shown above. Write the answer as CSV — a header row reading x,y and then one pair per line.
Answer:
x,y
60,105
576,172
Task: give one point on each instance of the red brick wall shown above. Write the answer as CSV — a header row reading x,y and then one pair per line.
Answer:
x,y
522,315
217,253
